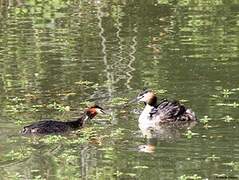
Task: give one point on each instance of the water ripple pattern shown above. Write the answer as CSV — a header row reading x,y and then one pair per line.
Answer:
x,y
58,57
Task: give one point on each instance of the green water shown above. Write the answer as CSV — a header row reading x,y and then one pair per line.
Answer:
x,y
57,57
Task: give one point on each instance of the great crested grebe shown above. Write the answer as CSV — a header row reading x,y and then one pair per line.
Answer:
x,y
163,112
54,127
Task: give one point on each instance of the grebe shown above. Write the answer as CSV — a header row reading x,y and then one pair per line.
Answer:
x,y
165,111
54,127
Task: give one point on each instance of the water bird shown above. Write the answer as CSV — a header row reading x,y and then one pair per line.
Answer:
x,y
165,111
54,127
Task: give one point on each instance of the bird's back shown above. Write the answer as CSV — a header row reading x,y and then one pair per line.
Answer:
x,y
170,111
46,127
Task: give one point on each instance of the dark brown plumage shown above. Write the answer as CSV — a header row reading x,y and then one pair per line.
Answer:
x,y
54,127
164,111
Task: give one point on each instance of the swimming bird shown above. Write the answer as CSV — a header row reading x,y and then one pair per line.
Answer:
x,y
165,111
54,127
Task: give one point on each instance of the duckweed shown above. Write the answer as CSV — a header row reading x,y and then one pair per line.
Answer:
x,y
212,158
15,176
19,122
189,134
140,167
52,139
59,55
58,107
190,177
226,92
234,104
234,165
118,173
227,118
19,154
119,101
161,91
205,119
86,83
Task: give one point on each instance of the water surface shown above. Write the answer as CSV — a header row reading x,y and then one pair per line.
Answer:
x,y
57,57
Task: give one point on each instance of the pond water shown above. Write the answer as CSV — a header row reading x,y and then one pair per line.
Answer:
x,y
58,57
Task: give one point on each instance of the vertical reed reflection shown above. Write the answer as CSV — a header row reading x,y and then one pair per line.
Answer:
x,y
109,74
126,66
132,58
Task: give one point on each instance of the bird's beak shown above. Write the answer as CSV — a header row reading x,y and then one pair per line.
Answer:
x,y
133,101
137,99
102,111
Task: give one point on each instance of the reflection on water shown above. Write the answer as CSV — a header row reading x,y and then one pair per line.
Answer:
x,y
163,132
57,56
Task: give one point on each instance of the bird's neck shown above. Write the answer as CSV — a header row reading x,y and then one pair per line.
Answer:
x,y
78,123
147,109
145,115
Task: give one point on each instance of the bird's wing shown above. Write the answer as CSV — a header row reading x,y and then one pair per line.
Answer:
x,y
170,110
45,127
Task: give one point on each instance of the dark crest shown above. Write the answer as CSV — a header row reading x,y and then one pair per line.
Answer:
x,y
96,106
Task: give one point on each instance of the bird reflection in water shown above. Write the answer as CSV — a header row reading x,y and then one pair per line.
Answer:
x,y
162,132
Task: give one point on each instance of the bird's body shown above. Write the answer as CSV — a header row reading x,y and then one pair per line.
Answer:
x,y
165,111
53,127
50,127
